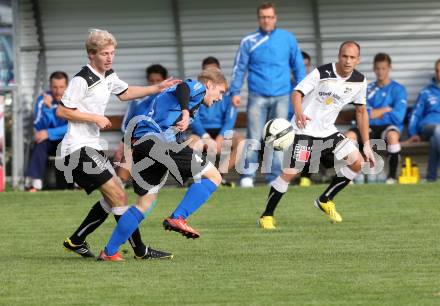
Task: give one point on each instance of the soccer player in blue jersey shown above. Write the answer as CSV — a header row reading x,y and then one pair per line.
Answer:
x,y
155,75
213,128
386,106
159,149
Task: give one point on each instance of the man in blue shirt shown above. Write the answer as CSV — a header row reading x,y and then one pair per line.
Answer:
x,y
159,149
155,75
49,130
213,128
269,56
424,123
386,106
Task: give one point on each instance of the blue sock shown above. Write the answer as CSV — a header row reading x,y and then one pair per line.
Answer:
x,y
196,195
126,225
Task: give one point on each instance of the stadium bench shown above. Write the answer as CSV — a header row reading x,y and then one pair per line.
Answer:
x,y
417,151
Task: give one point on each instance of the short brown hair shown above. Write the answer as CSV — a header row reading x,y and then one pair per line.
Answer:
x,y
382,57
214,75
437,62
99,39
350,42
58,75
210,60
157,68
266,5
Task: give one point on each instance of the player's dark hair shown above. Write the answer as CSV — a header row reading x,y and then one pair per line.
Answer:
x,y
350,42
210,60
58,75
266,5
382,57
157,68
306,56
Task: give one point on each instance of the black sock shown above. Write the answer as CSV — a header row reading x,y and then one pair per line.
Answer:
x,y
393,163
135,241
94,219
337,184
272,201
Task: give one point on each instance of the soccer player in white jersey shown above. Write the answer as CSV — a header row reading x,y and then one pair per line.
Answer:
x,y
317,101
83,160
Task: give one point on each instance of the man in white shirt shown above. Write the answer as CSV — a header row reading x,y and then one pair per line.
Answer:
x,y
317,101
83,160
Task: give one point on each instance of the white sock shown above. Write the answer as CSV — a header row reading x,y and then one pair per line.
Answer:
x,y
394,148
280,185
348,173
37,184
119,211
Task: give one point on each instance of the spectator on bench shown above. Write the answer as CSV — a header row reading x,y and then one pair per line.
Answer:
x,y
386,105
424,123
214,127
49,130
155,74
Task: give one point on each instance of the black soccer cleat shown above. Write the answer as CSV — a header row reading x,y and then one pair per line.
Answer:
x,y
155,254
82,249
227,183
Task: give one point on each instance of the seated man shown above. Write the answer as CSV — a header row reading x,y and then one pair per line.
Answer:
x,y
49,130
214,125
386,105
424,123
155,75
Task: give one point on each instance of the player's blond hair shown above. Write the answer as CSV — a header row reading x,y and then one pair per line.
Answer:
x,y
214,75
99,39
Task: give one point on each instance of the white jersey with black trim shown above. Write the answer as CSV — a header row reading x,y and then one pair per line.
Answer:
x,y
89,92
325,94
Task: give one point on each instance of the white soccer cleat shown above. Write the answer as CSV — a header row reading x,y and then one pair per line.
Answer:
x,y
390,181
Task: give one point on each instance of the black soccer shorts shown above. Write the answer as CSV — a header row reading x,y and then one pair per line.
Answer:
x,y
153,160
90,168
307,150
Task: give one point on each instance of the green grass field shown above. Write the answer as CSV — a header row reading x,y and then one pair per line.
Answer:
x,y
386,251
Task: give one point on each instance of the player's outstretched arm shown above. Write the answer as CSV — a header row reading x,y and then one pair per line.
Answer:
x,y
136,92
71,114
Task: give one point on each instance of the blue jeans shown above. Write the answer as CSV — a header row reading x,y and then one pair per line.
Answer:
x,y
38,161
260,110
431,133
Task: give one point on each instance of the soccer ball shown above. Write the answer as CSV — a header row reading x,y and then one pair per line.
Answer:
x,y
278,133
